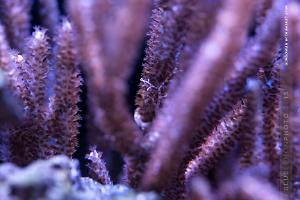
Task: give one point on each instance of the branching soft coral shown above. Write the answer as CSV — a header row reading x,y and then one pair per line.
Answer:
x,y
49,127
108,67
215,89
208,66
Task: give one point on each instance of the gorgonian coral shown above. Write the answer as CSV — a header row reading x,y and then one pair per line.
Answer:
x,y
216,109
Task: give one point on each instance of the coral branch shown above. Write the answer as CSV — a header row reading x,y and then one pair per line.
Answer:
x,y
91,50
167,30
15,16
270,114
135,168
97,168
64,123
4,50
158,67
37,61
200,25
220,141
108,97
48,12
249,187
199,189
201,108
19,82
175,126
257,52
248,127
170,48
262,10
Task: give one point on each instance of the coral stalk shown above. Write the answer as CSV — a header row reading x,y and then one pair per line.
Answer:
x,y
220,141
15,16
97,168
174,127
64,111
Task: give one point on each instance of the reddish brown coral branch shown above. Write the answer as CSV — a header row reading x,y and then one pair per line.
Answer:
x,y
175,34
24,143
27,75
19,81
220,141
173,25
63,124
158,67
179,117
15,16
270,113
167,30
89,34
135,168
258,51
97,168
37,67
249,126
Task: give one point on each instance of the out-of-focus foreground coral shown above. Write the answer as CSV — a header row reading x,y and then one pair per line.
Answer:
x,y
217,109
60,179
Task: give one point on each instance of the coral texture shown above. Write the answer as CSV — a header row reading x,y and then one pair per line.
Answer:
x,y
191,99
